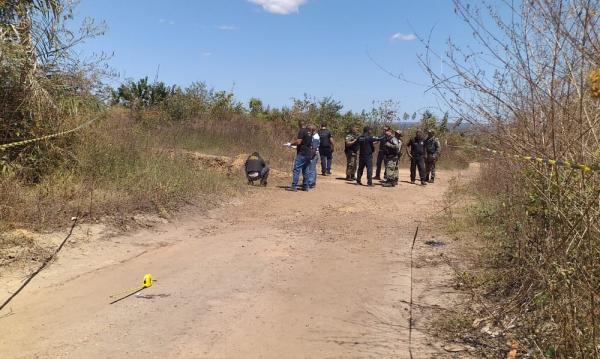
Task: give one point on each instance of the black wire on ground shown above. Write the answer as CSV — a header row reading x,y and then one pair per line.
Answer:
x,y
127,295
410,308
44,264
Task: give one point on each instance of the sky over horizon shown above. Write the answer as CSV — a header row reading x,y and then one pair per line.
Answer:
x,y
277,50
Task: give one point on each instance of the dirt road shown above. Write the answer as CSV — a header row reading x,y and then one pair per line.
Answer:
x,y
323,274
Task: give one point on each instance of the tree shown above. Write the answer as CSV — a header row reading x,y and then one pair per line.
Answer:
x,y
443,127
256,106
137,94
41,83
383,112
428,121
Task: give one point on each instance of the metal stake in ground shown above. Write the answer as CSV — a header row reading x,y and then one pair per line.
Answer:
x,y
44,264
410,305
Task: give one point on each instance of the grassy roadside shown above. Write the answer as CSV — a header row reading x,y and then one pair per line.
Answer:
x,y
468,219
115,168
506,311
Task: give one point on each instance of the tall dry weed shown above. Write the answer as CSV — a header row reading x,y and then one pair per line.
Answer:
x,y
526,87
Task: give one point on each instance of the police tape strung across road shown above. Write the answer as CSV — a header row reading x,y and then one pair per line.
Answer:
x,y
558,163
25,142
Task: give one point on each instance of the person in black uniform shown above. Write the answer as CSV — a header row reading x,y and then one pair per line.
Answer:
x,y
326,149
416,151
381,154
365,155
256,169
304,154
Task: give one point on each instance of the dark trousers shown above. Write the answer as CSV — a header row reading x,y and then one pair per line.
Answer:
x,y
380,158
420,163
362,163
263,175
326,158
430,167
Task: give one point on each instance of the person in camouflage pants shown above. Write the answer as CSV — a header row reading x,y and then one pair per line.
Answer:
x,y
432,147
351,151
391,148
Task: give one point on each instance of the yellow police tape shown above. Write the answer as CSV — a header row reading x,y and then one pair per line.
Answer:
x,y
558,163
25,142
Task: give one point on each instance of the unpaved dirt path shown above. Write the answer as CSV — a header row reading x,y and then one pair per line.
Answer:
x,y
323,274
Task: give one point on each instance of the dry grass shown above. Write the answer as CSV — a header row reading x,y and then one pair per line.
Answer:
x,y
115,168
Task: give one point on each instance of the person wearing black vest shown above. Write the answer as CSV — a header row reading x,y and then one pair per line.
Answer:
x,y
416,151
256,169
365,156
381,154
326,149
303,143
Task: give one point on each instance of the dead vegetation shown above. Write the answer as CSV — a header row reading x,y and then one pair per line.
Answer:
x,y
530,88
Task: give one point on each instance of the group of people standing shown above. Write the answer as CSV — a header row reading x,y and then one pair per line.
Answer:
x,y
312,145
423,153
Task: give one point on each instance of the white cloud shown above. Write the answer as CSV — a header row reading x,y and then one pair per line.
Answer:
x,y
227,27
207,54
281,7
165,21
403,37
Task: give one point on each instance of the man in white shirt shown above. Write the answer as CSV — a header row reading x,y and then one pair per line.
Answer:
x,y
316,140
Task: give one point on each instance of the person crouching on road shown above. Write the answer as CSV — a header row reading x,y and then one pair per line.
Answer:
x,y
351,152
257,169
416,151
312,183
303,144
365,156
432,146
326,148
391,150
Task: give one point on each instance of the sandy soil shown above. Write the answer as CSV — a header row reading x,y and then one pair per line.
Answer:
x,y
324,274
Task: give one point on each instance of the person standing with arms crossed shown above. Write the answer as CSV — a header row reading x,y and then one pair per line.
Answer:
x,y
416,151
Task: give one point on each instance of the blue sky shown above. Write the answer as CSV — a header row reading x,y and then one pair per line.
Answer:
x,y
278,49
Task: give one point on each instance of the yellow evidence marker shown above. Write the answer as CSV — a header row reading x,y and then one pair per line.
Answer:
x,y
146,283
